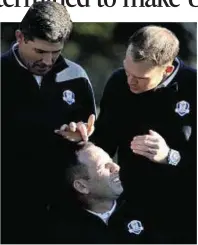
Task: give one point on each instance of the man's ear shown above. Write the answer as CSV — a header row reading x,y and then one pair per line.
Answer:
x,y
19,36
168,70
81,186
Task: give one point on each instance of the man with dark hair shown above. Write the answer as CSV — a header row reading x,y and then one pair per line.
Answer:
x,y
148,115
41,91
98,215
46,21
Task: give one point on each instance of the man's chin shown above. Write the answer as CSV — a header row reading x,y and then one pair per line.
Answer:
x,y
118,193
119,190
40,72
135,91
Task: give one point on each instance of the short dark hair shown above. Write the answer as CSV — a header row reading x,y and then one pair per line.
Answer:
x,y
154,43
47,21
74,167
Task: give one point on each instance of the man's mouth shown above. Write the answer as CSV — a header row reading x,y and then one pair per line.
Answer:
x,y
133,86
43,68
116,179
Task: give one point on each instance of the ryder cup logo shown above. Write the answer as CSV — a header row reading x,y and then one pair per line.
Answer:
x,y
69,97
135,226
182,108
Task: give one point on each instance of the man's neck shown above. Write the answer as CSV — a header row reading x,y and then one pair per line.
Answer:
x,y
99,206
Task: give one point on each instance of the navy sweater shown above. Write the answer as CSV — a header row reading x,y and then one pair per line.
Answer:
x,y
32,154
168,193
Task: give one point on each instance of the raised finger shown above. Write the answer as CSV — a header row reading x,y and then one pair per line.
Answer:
x,y
91,121
91,130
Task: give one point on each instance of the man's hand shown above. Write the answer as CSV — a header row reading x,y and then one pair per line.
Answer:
x,y
77,131
151,146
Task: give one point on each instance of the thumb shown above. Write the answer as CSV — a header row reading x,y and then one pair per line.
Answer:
x,y
153,133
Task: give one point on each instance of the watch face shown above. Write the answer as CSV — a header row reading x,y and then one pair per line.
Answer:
x,y
174,157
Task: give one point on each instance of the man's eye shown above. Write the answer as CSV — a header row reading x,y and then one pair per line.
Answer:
x,y
144,79
99,171
39,51
56,52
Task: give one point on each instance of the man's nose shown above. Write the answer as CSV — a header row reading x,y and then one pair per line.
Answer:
x,y
132,80
47,59
114,168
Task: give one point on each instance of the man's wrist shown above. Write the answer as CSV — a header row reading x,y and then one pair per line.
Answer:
x,y
173,157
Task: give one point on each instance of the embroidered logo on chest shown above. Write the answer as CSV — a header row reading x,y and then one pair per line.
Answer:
x,y
135,226
69,97
182,108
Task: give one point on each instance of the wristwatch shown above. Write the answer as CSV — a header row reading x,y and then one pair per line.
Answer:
x,y
173,157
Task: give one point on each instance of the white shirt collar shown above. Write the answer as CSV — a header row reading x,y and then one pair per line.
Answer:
x,y
105,216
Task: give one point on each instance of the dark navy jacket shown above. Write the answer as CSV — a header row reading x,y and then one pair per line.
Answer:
x,y
32,163
167,192
78,226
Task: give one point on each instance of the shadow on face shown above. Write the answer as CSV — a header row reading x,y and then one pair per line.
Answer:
x,y
103,182
143,75
38,55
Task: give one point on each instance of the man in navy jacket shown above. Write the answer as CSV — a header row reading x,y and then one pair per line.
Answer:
x,y
40,92
148,116
98,215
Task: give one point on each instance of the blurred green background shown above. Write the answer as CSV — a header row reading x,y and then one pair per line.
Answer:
x,y
100,47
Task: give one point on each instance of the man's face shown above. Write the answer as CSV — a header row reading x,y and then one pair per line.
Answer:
x,y
104,182
38,55
142,76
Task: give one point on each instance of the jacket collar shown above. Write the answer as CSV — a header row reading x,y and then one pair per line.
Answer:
x,y
168,83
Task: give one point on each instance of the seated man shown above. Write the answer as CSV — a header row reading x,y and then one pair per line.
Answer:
x,y
100,216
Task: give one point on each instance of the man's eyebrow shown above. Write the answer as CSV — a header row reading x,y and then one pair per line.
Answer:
x,y
45,51
100,164
136,76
